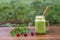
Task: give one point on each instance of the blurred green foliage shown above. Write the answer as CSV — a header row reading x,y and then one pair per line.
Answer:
x,y
25,10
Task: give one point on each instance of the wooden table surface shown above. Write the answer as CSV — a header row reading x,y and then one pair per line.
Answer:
x,y
52,34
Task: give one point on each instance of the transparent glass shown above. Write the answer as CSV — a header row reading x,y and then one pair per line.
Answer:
x,y
40,24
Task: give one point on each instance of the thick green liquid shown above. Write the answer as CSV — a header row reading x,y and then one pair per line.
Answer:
x,y
40,27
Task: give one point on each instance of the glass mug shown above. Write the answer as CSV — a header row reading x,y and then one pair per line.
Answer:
x,y
40,25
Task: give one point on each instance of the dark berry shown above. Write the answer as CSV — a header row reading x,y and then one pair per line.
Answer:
x,y
25,34
32,33
17,35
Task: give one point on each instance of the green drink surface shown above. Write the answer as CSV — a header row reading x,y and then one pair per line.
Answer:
x,y
40,27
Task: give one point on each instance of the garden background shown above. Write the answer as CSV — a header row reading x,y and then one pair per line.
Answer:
x,y
13,12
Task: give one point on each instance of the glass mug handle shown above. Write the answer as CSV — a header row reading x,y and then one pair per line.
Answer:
x,y
47,25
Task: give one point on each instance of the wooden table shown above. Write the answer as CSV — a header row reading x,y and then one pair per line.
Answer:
x,y
52,34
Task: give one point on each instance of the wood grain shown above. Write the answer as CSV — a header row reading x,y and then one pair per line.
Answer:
x,y
52,34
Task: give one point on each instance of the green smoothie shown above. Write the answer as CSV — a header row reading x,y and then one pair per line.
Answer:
x,y
40,26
